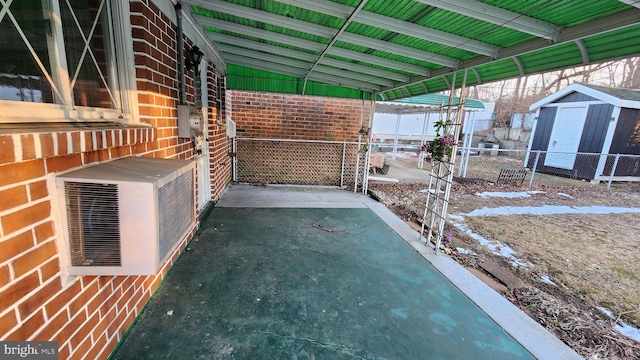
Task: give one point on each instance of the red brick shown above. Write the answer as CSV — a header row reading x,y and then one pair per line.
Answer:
x,y
97,348
63,147
108,317
27,328
117,282
77,320
135,302
84,331
119,152
139,282
115,328
108,348
5,276
127,322
6,149
28,147
25,217
81,350
96,156
13,197
46,144
124,300
7,322
79,303
63,351
88,141
76,144
35,301
88,280
38,190
16,172
50,269
105,281
34,258
63,163
44,232
105,299
53,326
16,245
62,299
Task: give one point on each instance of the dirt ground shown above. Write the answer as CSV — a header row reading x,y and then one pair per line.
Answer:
x,y
578,261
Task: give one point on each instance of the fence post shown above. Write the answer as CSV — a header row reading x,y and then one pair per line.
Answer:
x,y
465,164
344,153
613,170
234,159
535,166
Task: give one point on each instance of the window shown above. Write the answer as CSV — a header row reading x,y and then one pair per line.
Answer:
x,y
63,57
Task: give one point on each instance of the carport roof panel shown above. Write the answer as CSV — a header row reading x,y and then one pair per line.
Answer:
x,y
434,38
418,104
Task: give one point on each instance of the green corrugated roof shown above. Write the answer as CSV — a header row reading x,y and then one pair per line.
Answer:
x,y
438,99
400,48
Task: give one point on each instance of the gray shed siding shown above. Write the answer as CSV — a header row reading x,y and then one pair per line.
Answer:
x,y
575,97
591,141
595,128
546,119
626,140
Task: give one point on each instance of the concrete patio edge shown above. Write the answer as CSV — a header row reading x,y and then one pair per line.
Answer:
x,y
532,336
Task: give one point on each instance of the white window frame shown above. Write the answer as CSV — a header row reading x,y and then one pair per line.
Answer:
x,y
30,112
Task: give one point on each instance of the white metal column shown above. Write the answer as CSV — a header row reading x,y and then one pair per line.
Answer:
x,y
202,159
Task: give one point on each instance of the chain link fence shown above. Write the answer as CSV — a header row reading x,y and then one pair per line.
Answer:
x,y
520,167
298,162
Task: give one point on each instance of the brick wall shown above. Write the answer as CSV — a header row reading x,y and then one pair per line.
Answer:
x,y
219,145
88,315
284,116
295,117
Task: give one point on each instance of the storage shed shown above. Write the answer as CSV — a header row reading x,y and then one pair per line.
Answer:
x,y
582,120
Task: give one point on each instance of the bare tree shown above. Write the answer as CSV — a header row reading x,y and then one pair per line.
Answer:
x,y
631,73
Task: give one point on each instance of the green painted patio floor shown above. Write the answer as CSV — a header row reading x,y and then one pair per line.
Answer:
x,y
303,283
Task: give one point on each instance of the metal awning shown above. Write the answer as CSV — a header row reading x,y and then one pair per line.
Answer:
x,y
403,48
424,103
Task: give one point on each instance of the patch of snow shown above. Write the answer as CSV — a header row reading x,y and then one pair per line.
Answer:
x,y
495,247
546,279
623,328
605,311
464,251
628,331
551,210
566,195
509,195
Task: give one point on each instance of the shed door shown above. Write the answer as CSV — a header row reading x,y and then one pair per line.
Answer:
x,y
565,137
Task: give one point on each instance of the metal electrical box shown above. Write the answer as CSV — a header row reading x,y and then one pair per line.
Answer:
x,y
190,121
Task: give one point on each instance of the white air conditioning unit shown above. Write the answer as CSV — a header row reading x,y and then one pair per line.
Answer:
x,y
126,217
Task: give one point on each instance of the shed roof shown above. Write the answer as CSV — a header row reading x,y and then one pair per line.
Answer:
x,y
627,98
403,48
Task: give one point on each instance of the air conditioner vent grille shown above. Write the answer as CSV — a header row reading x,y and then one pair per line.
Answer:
x,y
175,212
93,223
